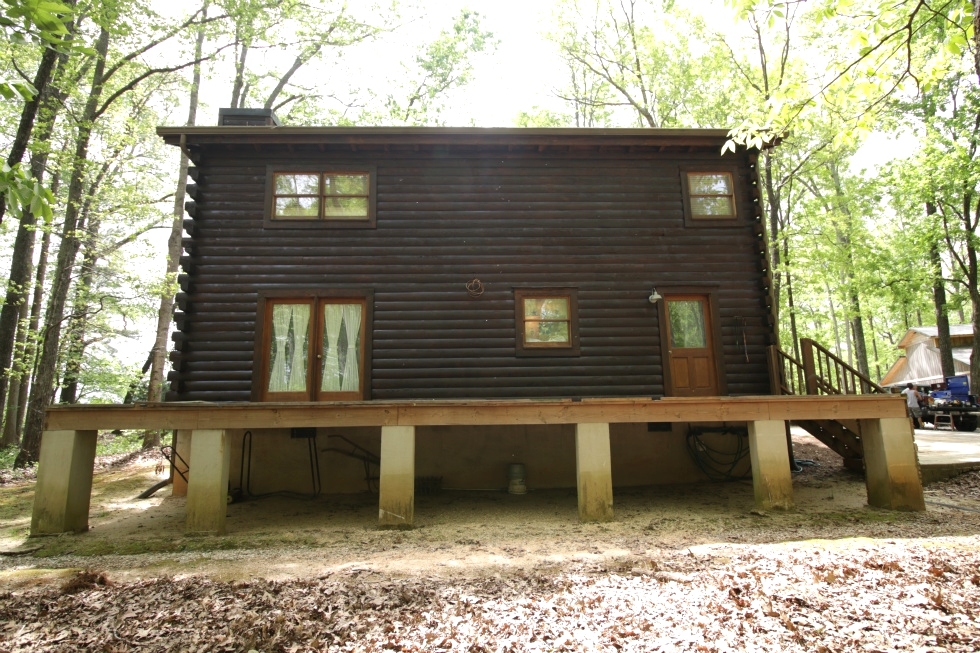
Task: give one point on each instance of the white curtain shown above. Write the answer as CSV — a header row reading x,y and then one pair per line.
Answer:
x,y
301,328
352,372
289,377
333,315
281,315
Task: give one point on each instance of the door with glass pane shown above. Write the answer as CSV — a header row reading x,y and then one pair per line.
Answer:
x,y
690,354
340,350
314,349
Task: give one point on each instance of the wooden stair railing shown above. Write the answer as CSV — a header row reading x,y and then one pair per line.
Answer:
x,y
786,374
829,375
821,372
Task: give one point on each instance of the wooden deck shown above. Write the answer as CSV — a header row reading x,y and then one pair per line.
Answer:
x,y
205,415
64,482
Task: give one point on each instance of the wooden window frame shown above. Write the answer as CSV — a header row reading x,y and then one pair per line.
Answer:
x,y
315,297
320,169
572,348
690,220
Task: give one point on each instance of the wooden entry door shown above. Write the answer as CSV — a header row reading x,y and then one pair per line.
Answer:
x,y
690,350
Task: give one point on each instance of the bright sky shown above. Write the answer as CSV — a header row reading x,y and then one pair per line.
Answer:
x,y
522,72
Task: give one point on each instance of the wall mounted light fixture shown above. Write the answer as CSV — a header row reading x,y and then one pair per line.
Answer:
x,y
654,296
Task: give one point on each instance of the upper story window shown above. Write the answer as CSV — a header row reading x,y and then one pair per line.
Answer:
x,y
712,195
322,198
547,321
709,197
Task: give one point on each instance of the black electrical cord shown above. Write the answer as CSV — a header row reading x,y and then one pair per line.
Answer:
x,y
718,464
245,472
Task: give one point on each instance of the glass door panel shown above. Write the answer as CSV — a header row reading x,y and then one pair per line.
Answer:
x,y
289,347
341,354
686,323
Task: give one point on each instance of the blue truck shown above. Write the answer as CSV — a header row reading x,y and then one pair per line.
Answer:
x,y
954,406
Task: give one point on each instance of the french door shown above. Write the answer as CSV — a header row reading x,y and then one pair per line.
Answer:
x,y
314,349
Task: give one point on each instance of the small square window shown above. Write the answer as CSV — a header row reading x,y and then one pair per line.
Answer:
x,y
324,198
546,321
710,197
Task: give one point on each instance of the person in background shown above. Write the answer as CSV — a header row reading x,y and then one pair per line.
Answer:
x,y
912,398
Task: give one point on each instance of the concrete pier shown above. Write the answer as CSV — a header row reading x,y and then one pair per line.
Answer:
x,y
593,469
771,477
64,482
207,487
396,487
890,464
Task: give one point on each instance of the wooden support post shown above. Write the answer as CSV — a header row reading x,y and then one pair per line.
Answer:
x,y
64,482
809,366
182,449
771,478
593,469
891,464
207,487
775,370
396,487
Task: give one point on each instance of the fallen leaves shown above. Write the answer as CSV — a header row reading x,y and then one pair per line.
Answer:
x,y
899,596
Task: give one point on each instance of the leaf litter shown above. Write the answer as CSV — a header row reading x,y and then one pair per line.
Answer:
x,y
755,583
894,597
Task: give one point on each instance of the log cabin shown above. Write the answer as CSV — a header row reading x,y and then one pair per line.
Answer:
x,y
392,308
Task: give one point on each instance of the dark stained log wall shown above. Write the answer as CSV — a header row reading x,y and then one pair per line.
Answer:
x,y
609,224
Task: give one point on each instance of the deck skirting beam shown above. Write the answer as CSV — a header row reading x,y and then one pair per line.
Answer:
x,y
593,470
891,465
396,486
207,487
64,482
771,477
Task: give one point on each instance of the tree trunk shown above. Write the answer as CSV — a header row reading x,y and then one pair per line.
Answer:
x,y
791,303
28,114
973,276
939,301
47,364
22,256
874,346
11,417
774,236
30,352
857,331
833,320
78,322
237,96
158,354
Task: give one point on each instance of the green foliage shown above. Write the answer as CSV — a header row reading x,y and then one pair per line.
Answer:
x,y
539,117
23,193
647,64
7,457
117,442
34,20
445,64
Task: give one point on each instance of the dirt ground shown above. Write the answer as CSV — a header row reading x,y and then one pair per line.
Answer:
x,y
680,568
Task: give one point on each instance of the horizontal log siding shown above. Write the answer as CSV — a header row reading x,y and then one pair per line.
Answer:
x,y
610,226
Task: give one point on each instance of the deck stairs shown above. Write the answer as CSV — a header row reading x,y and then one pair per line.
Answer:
x,y
820,372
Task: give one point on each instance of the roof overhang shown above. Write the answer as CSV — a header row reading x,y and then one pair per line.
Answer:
x,y
680,140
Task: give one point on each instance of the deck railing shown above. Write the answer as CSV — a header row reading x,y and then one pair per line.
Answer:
x,y
819,373
786,373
